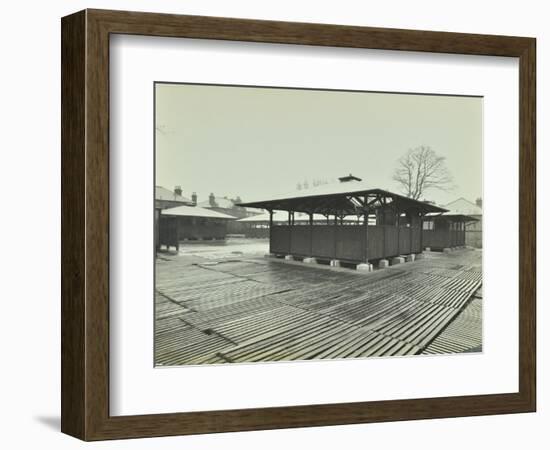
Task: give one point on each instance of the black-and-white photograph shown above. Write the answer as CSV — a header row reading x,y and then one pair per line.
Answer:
x,y
297,224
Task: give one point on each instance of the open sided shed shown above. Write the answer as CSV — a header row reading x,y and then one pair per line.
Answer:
x,y
191,223
258,226
387,224
445,230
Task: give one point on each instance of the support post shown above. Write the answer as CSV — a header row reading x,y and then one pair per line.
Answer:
x,y
335,234
177,235
398,235
289,232
366,237
384,239
270,228
311,234
421,232
455,235
410,219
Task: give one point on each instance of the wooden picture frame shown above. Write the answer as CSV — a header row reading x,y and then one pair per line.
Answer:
x,y
85,224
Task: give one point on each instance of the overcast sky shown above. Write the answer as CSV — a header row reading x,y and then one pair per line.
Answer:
x,y
254,142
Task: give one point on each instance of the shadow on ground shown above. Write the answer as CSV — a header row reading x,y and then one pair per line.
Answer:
x,y
51,422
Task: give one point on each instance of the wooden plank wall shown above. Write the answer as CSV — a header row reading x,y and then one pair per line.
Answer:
x,y
209,230
440,239
323,241
390,236
300,240
348,244
344,242
278,242
168,233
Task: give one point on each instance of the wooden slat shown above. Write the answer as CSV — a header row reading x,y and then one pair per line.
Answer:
x,y
260,310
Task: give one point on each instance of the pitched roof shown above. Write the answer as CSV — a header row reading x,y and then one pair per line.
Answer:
x,y
195,211
452,217
463,206
161,193
221,202
335,197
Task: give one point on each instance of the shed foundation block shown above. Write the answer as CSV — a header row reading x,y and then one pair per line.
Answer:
x,y
420,256
383,263
397,260
410,258
447,250
289,258
334,263
364,267
428,249
310,260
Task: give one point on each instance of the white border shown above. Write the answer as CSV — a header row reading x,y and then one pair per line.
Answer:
x,y
137,388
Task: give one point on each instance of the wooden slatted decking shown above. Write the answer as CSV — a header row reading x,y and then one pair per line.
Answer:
x,y
463,334
266,310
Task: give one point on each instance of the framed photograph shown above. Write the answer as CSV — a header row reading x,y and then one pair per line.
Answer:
x,y
272,225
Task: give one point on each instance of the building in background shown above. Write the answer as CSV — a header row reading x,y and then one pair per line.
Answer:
x,y
445,231
230,206
177,218
257,226
474,234
165,198
191,223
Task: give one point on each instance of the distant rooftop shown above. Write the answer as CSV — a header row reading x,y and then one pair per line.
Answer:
x,y
161,193
460,209
221,202
463,206
195,211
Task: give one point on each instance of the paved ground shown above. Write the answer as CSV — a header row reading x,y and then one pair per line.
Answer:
x,y
230,248
226,303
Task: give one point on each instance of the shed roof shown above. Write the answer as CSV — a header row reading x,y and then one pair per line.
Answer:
x,y
196,211
462,217
453,216
161,193
342,198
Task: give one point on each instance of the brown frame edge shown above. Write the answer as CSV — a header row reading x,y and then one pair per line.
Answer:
x,y
85,224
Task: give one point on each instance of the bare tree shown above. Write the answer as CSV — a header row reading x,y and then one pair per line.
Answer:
x,y
420,170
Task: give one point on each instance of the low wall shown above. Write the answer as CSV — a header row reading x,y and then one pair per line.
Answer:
x,y
344,242
440,239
